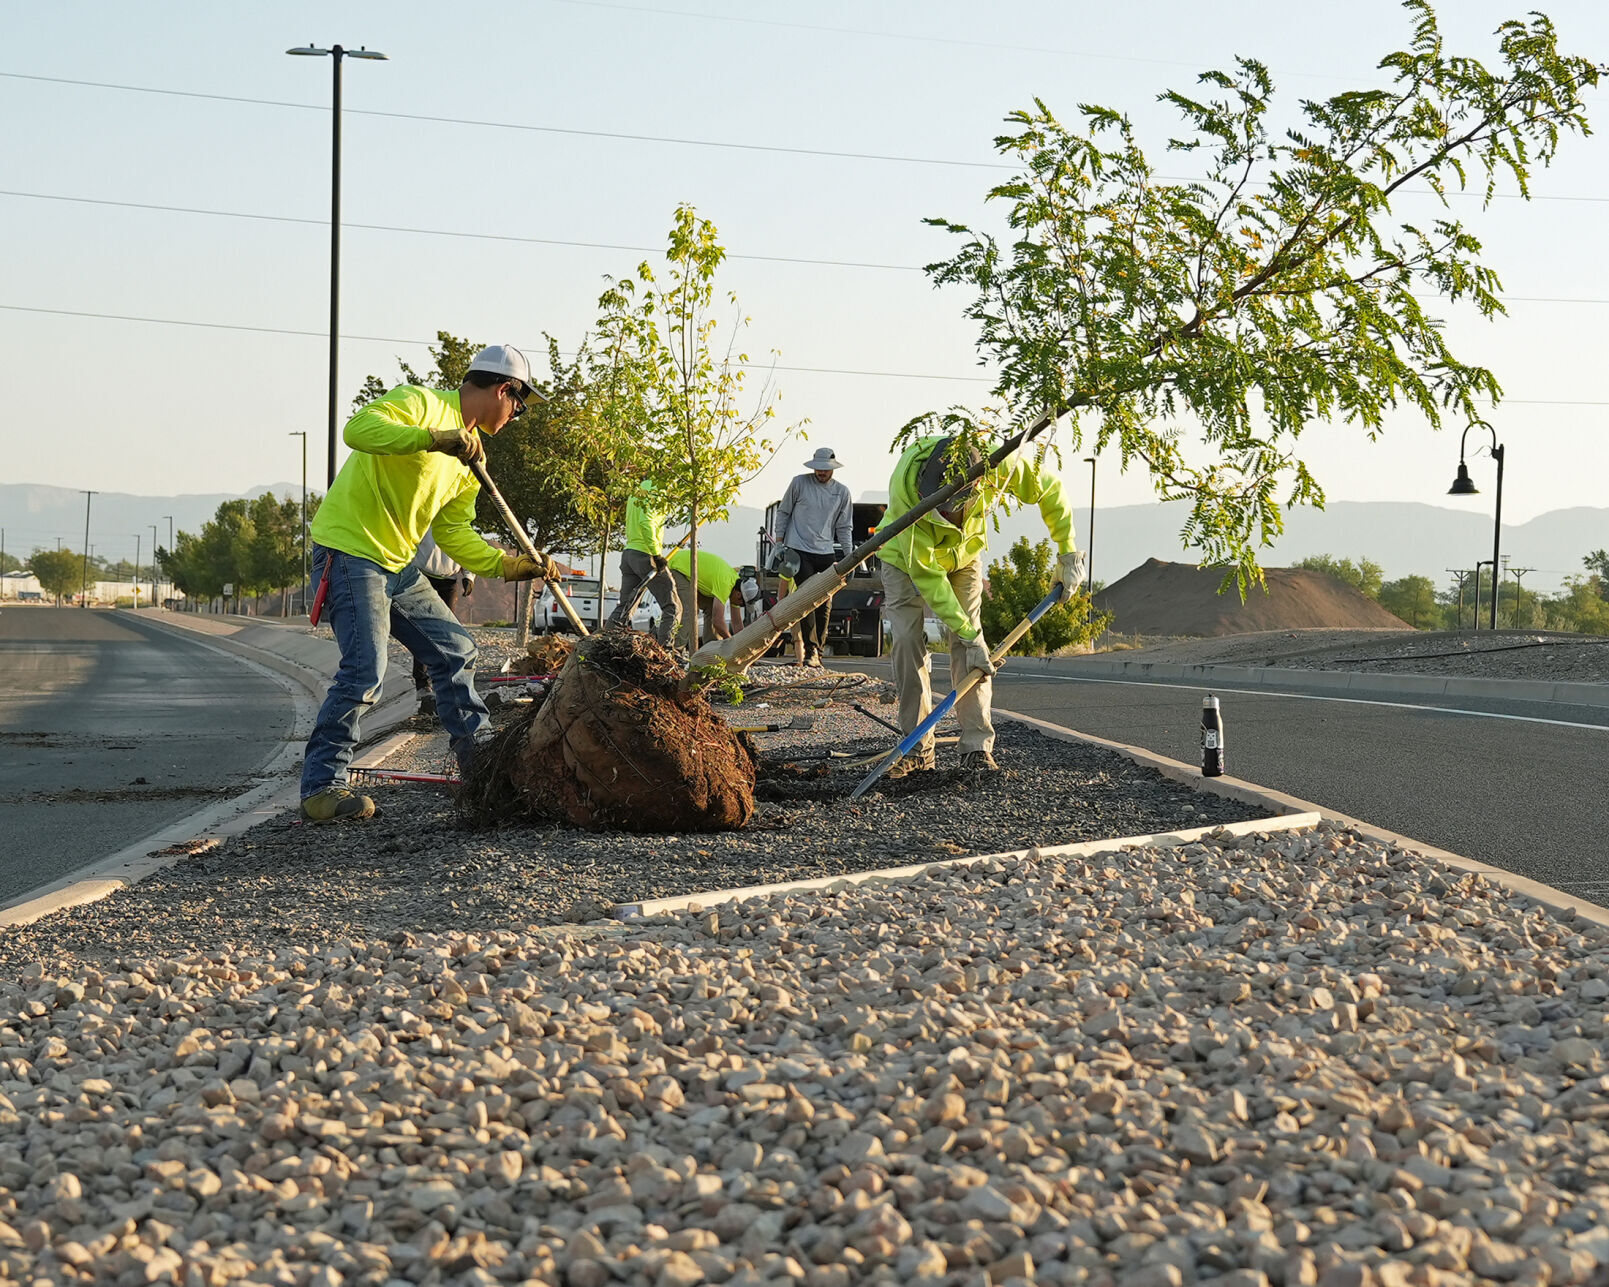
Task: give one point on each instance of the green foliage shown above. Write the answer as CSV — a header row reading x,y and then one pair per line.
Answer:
x,y
716,682
59,572
1413,598
1597,563
1017,584
1581,607
1278,289
253,545
1364,576
10,563
449,357
701,435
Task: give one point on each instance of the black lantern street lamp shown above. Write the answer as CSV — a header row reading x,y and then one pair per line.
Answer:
x,y
1463,485
337,53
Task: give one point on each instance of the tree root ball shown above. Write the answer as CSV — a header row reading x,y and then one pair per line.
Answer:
x,y
616,744
544,655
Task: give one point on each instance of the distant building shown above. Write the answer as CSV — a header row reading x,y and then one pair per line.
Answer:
x,y
23,586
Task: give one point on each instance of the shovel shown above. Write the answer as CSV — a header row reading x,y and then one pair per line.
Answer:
x,y
914,738
523,540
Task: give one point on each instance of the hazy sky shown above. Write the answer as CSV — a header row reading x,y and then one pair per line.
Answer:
x,y
132,406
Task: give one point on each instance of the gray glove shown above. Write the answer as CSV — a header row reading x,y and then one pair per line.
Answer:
x,y
974,656
1070,571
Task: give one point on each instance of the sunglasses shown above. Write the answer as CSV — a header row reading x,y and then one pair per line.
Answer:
x,y
519,403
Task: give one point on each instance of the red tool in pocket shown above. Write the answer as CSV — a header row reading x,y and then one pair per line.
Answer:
x,y
317,609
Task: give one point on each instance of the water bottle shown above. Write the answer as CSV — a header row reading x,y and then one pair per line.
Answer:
x,y
1212,738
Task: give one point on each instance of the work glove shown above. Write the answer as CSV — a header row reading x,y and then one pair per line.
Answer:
x,y
974,656
463,444
660,562
469,586
522,567
1070,571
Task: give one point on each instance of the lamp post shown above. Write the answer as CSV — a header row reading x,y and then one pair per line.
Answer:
x,y
302,434
169,517
337,53
154,599
1089,550
137,539
83,592
1463,485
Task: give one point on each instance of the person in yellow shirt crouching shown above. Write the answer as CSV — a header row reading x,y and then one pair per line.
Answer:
x,y
408,474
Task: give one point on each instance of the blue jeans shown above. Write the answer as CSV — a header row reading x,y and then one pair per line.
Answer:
x,y
366,606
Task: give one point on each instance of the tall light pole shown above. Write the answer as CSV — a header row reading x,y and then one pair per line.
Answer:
x,y
1089,550
154,599
169,517
337,53
1463,485
83,593
302,434
137,539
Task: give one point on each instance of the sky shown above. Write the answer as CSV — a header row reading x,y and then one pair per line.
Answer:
x,y
521,159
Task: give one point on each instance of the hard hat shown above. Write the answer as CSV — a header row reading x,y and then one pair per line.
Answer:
x,y
784,563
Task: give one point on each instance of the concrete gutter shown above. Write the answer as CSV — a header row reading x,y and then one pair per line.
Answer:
x,y
282,654
1322,681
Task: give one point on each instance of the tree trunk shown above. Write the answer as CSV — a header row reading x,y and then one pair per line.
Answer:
x,y
692,578
522,613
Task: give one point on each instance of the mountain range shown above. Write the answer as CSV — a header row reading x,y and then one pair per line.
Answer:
x,y
1402,537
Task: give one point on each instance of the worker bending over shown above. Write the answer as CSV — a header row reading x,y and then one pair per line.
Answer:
x,y
721,590
643,561
409,473
938,562
814,521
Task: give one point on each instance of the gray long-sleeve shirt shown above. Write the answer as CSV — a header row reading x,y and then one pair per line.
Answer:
x,y
814,515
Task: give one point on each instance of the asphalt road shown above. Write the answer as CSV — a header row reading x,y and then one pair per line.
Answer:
x,y
110,729
1500,786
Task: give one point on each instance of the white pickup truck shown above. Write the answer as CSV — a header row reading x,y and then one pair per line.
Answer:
x,y
583,595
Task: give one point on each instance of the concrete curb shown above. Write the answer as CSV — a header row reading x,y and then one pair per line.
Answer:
x,y
208,827
1555,900
1326,681
1079,848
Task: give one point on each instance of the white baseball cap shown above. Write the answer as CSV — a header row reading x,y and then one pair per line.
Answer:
x,y
506,360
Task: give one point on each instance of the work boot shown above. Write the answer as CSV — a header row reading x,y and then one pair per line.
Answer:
x,y
917,762
336,804
979,762
427,703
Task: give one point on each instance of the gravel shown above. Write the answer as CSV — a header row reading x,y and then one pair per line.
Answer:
x,y
419,866
1295,1059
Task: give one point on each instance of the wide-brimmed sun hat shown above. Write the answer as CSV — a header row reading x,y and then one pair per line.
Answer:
x,y
824,459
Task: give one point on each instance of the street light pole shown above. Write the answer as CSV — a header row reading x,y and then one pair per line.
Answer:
x,y
1089,550
83,591
302,434
154,599
1464,486
337,53
136,570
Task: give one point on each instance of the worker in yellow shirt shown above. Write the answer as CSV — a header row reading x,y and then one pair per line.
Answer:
x,y
408,474
642,562
721,590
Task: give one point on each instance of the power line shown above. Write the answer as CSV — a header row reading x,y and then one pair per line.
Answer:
x,y
513,125
391,339
556,241
757,366
638,138
434,232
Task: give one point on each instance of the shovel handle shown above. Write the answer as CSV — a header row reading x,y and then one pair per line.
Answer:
x,y
971,681
523,540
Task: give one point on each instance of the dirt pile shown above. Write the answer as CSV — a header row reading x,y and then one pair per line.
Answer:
x,y
616,744
1160,598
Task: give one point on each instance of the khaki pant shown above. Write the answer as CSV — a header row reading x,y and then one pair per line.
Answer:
x,y
904,609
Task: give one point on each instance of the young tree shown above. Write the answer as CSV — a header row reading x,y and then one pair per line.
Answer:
x,y
274,556
1365,576
1597,563
703,438
1279,289
1017,584
1413,598
59,572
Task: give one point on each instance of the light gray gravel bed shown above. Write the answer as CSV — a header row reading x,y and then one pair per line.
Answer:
x,y
1296,1059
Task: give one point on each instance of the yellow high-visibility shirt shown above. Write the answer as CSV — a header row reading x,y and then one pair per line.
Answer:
x,y
716,577
391,490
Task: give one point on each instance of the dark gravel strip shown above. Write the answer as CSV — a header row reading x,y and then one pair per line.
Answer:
x,y
418,868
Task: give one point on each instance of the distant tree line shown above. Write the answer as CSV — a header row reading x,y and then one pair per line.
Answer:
x,y
252,546
1581,607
